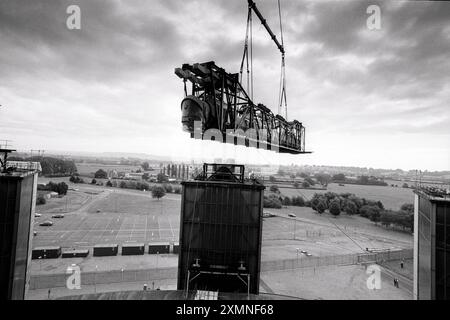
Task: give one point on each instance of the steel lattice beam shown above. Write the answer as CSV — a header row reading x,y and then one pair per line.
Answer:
x,y
230,108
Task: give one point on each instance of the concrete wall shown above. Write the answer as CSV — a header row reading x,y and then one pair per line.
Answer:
x,y
416,244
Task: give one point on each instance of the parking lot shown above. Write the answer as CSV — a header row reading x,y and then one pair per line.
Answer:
x,y
107,228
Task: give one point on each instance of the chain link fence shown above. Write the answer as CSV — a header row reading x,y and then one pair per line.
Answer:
x,y
103,277
148,275
347,259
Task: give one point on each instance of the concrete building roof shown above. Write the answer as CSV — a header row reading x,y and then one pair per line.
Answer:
x,y
24,165
434,194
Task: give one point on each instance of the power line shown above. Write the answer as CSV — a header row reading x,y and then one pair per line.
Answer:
x,y
282,92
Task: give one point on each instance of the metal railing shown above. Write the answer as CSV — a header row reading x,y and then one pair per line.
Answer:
x,y
346,259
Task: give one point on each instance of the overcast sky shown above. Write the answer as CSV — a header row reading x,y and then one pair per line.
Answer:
x,y
370,98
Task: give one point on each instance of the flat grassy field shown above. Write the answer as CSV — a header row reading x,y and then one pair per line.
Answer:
x,y
70,202
332,282
391,197
88,169
324,234
137,204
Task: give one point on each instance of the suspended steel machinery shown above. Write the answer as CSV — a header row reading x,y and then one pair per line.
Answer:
x,y
219,108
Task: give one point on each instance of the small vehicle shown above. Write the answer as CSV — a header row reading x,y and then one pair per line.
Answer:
x,y
58,215
308,254
47,223
292,215
37,215
98,211
304,252
34,233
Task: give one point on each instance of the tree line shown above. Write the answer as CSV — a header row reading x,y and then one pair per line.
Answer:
x,y
61,188
364,180
52,167
138,185
349,203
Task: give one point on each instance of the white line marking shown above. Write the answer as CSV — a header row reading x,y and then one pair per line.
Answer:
x,y
171,229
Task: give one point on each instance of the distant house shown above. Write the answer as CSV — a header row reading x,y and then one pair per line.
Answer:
x,y
130,175
112,174
47,194
135,175
44,194
152,177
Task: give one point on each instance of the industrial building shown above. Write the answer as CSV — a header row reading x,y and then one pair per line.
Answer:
x,y
220,231
18,186
431,244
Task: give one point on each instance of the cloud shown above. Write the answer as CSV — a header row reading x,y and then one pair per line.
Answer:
x,y
110,45
407,58
111,84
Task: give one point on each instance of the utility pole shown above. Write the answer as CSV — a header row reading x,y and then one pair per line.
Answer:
x,y
4,144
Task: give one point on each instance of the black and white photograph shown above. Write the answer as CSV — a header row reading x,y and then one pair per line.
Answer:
x,y
251,152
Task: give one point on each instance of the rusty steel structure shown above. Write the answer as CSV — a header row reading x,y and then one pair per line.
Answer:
x,y
219,108
219,103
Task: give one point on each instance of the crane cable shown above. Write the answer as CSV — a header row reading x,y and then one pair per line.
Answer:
x,y
251,55
282,92
248,55
245,55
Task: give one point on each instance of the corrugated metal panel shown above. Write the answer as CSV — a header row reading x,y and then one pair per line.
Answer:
x,y
81,253
17,192
155,248
133,249
46,252
176,248
221,225
105,250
